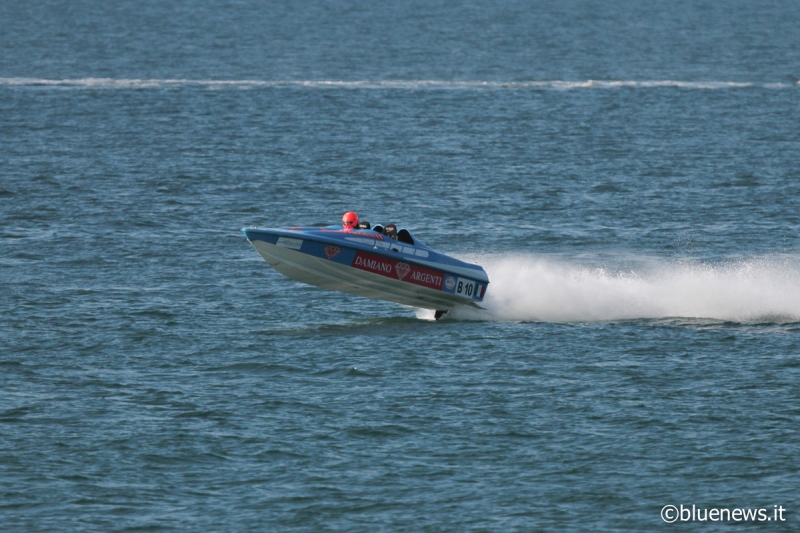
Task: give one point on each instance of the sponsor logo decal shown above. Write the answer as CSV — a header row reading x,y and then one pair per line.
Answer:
x,y
331,251
406,272
450,282
370,234
425,278
402,270
372,263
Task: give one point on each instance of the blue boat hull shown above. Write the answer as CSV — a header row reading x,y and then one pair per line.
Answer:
x,y
368,264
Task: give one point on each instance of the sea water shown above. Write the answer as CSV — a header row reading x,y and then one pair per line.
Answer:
x,y
626,172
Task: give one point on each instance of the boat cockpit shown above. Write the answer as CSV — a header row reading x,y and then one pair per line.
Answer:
x,y
391,231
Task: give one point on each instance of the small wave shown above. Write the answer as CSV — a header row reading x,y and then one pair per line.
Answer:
x,y
544,289
123,83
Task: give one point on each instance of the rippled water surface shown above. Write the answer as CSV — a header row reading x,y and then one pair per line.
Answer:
x,y
627,174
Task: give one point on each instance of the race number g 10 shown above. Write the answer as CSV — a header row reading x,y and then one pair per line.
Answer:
x,y
466,287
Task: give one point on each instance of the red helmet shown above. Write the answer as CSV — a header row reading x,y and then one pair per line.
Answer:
x,y
350,220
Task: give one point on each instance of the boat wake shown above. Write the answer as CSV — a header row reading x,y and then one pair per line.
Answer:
x,y
538,288
136,83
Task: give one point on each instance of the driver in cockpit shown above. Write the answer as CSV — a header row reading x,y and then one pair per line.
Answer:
x,y
350,222
390,230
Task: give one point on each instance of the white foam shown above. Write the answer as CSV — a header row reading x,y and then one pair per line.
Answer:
x,y
123,83
538,288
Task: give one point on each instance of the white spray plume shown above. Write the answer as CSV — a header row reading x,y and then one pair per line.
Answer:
x,y
538,288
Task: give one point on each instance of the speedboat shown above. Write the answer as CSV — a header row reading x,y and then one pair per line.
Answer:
x,y
384,263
